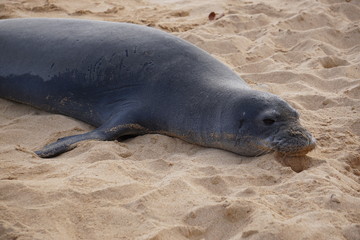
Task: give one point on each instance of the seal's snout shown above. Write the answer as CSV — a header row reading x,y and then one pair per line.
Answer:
x,y
295,141
311,144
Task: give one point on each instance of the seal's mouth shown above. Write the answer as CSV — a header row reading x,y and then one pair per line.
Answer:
x,y
301,152
294,143
288,141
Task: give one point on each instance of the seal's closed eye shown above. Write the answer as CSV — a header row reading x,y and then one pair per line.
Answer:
x,y
268,121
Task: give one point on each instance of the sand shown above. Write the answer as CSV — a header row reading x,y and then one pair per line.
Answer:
x,y
157,187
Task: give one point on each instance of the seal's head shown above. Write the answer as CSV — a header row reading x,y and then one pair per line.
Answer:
x,y
263,123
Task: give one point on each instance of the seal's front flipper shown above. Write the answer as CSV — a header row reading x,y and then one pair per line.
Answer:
x,y
106,132
66,144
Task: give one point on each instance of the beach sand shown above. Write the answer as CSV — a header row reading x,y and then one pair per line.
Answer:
x,y
157,187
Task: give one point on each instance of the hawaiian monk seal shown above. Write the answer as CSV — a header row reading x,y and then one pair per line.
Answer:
x,y
127,79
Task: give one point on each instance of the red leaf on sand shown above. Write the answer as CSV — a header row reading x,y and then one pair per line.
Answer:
x,y
215,16
212,16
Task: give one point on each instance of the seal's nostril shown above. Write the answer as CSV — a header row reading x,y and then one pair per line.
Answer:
x,y
312,142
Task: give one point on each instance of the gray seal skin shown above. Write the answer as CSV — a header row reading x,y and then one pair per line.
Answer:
x,y
127,80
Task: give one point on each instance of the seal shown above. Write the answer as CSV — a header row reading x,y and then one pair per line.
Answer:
x,y
128,80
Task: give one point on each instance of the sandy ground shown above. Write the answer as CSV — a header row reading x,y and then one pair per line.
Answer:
x,y
157,187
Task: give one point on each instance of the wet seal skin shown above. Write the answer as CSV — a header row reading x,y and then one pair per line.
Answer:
x,y
127,79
